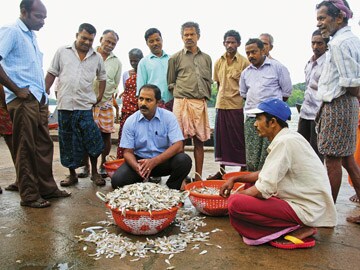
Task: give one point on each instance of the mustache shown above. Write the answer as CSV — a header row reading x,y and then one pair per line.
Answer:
x,y
143,107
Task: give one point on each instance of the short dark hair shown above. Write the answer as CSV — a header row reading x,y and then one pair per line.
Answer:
x,y
332,10
233,33
153,87
27,5
88,28
190,25
110,31
150,32
258,42
317,32
282,123
136,52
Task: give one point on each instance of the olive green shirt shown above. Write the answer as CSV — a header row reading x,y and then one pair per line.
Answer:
x,y
189,75
228,77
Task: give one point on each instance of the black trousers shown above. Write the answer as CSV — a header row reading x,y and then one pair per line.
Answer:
x,y
307,129
178,167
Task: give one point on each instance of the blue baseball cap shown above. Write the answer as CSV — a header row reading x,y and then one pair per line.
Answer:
x,y
275,107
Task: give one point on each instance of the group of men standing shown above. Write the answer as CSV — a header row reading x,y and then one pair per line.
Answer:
x,y
153,138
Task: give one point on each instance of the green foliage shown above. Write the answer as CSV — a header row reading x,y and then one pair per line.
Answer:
x,y
214,90
297,96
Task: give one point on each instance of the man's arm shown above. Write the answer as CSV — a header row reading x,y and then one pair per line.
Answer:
x,y
49,80
22,93
130,159
102,85
229,184
171,74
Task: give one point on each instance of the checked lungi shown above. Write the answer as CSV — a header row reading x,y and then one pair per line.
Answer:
x,y
78,134
337,123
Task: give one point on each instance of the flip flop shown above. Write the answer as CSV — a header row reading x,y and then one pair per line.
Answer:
x,y
355,220
40,203
57,194
69,181
12,187
295,243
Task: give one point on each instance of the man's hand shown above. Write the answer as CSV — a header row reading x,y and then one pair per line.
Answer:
x,y
226,188
146,166
22,93
98,99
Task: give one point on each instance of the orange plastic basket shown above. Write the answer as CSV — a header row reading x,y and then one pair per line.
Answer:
x,y
112,166
211,205
142,222
226,176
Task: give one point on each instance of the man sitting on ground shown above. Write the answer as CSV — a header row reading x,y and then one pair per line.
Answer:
x,y
152,142
291,194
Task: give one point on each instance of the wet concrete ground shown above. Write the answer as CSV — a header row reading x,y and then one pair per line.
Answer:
x,y
45,238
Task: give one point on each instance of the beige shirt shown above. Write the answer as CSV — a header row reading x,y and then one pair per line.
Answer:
x,y
189,75
294,173
228,77
113,69
76,77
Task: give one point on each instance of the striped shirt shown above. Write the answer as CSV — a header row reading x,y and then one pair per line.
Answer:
x,y
270,80
342,65
311,103
22,59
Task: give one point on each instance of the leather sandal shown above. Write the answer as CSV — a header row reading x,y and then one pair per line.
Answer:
x,y
98,180
69,181
57,194
39,203
12,187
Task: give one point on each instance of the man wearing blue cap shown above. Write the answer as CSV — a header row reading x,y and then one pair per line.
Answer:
x,y
290,196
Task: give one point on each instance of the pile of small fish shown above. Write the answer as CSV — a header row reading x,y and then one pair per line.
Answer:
x,y
206,190
109,244
144,197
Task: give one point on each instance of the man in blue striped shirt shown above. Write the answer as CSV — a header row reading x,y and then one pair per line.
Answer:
x,y
22,75
339,88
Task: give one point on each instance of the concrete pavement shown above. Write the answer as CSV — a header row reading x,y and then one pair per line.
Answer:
x,y
45,238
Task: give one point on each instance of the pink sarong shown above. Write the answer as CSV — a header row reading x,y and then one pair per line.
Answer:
x,y
192,116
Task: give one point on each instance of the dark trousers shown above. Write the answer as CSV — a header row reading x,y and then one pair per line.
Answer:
x,y
178,167
307,129
33,148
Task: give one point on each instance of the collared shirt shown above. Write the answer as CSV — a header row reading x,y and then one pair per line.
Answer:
x,y
152,70
270,80
113,68
76,77
189,75
311,103
342,65
294,173
22,59
228,77
147,138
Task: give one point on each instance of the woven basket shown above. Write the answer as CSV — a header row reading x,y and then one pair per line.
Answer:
x,y
211,205
144,223
112,166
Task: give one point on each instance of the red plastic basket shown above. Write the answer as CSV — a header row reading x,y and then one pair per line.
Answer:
x,y
142,222
112,166
226,176
212,205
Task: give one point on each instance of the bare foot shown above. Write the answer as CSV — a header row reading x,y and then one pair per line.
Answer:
x,y
301,234
355,220
354,199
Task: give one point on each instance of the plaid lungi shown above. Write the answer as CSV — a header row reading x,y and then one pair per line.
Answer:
x,y
336,125
78,134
